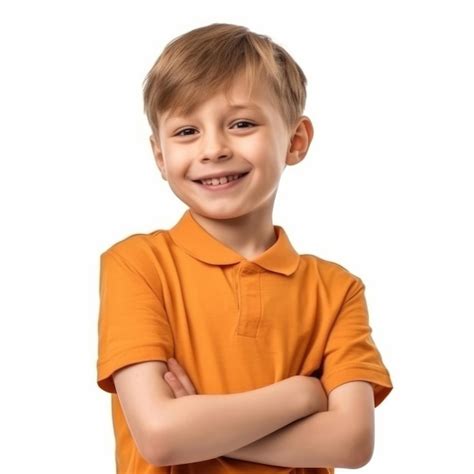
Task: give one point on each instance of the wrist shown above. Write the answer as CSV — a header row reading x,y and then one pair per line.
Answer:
x,y
314,398
320,399
301,393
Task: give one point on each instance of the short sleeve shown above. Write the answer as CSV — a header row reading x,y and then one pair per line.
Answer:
x,y
350,353
133,325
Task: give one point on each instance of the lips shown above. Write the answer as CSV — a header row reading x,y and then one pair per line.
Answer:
x,y
221,187
240,175
221,175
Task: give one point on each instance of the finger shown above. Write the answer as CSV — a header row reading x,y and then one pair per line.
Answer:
x,y
180,373
171,383
183,378
175,384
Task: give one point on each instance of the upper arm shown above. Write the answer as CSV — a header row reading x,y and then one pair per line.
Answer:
x,y
350,352
143,393
355,401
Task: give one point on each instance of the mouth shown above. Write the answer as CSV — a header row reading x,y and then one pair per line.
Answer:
x,y
208,182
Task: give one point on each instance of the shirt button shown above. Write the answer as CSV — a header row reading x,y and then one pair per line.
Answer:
x,y
248,269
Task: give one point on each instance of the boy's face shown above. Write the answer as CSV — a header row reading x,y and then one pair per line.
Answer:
x,y
220,140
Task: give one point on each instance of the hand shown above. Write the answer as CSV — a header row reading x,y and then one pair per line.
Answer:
x,y
178,380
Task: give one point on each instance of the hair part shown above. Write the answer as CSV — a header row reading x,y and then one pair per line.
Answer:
x,y
196,65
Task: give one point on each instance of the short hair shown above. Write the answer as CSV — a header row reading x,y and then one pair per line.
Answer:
x,y
197,64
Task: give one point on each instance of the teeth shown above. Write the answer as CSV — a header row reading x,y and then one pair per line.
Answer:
x,y
222,180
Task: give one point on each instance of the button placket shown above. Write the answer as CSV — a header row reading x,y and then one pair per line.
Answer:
x,y
250,306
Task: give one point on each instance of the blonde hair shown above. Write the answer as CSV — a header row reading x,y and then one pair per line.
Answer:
x,y
197,64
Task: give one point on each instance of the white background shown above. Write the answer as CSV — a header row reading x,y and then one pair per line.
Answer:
x,y
386,191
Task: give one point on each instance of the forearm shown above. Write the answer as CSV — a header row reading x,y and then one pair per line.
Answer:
x,y
201,427
319,440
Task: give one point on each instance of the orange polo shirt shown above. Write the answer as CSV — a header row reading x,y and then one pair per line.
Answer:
x,y
233,324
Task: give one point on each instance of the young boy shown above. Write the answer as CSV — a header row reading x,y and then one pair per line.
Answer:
x,y
275,368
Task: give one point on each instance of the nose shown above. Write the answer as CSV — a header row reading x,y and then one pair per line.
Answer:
x,y
215,147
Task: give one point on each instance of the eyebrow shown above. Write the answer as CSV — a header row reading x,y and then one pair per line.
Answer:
x,y
238,106
231,107
245,106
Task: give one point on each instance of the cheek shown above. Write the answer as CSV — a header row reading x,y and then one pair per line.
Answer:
x,y
176,166
255,145
261,148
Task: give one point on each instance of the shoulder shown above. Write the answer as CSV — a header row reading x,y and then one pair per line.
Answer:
x,y
331,274
138,245
139,253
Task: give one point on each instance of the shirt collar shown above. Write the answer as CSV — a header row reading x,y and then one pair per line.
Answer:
x,y
188,234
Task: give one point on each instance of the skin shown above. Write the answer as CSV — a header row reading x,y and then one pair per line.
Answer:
x,y
212,140
178,380
216,138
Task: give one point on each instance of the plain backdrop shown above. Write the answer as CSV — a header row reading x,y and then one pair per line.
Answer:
x,y
386,190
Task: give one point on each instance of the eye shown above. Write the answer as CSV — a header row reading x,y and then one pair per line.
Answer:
x,y
179,134
184,129
244,121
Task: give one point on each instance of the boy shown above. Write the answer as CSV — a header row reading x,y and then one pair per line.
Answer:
x,y
275,368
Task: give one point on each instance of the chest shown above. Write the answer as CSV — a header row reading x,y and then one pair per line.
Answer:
x,y
246,301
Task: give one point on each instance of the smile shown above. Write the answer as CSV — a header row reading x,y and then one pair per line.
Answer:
x,y
218,187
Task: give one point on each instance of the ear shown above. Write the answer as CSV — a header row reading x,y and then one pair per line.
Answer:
x,y
158,155
300,141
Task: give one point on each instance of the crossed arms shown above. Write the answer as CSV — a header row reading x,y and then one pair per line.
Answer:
x,y
290,423
332,438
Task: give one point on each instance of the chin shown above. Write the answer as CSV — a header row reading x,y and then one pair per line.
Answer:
x,y
218,214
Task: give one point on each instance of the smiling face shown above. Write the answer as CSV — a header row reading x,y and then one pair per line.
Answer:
x,y
226,136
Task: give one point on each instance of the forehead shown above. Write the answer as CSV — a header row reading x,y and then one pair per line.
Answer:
x,y
237,98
